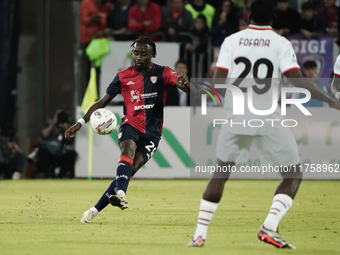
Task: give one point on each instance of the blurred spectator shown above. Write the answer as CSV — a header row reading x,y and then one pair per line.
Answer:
x,y
288,20
144,18
181,66
56,156
239,3
213,3
310,71
211,71
12,160
93,14
162,3
327,19
200,34
177,19
225,22
118,19
294,4
307,20
245,15
199,45
198,7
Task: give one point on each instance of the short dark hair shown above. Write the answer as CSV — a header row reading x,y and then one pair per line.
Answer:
x,y
309,64
204,18
146,40
262,11
63,117
181,61
307,6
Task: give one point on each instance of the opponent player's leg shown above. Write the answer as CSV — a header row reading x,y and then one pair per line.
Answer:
x,y
291,181
209,202
229,147
288,157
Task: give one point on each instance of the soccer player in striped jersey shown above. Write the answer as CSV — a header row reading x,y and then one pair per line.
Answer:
x,y
143,87
255,54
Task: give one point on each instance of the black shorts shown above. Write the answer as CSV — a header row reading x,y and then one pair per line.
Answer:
x,y
146,144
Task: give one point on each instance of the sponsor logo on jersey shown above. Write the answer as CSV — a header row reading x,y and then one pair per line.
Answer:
x,y
130,83
120,134
149,95
144,106
153,79
134,96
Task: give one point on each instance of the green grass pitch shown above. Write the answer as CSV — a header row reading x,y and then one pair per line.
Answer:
x,y
43,217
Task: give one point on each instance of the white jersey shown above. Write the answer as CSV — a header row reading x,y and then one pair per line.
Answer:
x,y
337,66
256,56
334,88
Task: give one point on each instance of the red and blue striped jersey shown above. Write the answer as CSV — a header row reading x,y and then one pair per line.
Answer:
x,y
144,96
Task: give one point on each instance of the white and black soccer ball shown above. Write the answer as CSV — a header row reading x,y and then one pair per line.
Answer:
x,y
103,121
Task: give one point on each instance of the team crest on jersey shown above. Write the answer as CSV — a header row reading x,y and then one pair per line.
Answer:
x,y
134,96
153,79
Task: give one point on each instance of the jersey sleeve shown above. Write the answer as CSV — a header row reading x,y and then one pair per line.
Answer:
x,y
337,66
169,76
224,57
115,87
287,58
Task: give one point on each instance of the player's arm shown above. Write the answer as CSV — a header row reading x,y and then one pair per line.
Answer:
x,y
184,84
219,78
101,103
299,81
335,86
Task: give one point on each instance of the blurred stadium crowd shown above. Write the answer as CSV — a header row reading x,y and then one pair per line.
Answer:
x,y
201,19
198,26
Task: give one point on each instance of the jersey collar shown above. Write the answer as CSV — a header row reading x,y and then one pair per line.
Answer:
x,y
144,70
260,27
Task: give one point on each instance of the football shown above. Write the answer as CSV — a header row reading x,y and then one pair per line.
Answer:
x,y
103,121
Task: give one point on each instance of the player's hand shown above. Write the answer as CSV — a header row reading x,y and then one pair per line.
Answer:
x,y
71,131
183,82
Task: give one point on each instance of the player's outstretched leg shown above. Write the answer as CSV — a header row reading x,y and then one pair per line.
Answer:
x,y
104,200
89,215
211,197
281,203
128,148
100,205
122,182
119,198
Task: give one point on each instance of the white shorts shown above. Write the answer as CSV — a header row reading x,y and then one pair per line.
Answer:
x,y
277,146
